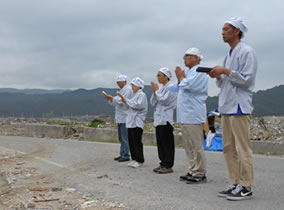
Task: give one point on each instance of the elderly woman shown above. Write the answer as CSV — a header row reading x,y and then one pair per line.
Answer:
x,y
164,103
136,114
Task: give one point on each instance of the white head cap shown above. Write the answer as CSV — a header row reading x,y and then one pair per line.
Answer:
x,y
194,51
138,82
166,71
238,23
121,78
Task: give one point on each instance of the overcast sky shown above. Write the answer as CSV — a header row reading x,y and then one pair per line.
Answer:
x,y
71,44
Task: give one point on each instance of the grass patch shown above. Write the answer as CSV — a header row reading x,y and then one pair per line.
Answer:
x,y
96,124
149,128
61,123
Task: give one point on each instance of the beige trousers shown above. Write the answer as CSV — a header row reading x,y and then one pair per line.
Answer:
x,y
192,136
237,149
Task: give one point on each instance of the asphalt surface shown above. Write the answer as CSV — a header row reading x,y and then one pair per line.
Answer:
x,y
89,167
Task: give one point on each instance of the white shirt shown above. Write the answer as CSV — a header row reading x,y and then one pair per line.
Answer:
x,y
237,88
164,103
192,95
120,107
136,113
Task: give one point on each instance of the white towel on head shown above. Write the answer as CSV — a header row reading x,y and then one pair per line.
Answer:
x,y
238,23
166,72
138,82
121,78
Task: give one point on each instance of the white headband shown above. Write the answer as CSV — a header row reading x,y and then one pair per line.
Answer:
x,y
194,51
121,78
238,23
166,72
138,82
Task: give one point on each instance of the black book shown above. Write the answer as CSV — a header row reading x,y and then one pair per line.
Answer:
x,y
204,69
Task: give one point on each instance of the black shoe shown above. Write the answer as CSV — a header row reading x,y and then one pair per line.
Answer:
x,y
117,158
227,191
185,177
240,193
123,159
196,180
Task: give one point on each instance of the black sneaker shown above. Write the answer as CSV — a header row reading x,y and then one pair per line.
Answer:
x,y
117,158
240,193
121,159
227,191
196,180
185,177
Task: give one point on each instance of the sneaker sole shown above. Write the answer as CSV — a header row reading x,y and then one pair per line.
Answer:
x,y
159,172
183,180
239,198
121,161
135,166
222,195
200,182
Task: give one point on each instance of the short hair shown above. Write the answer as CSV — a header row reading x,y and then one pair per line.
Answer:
x,y
240,34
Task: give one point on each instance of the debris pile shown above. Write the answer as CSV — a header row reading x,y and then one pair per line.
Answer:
x,y
270,128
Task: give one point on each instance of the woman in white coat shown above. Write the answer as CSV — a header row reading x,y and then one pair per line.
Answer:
x,y
136,114
164,103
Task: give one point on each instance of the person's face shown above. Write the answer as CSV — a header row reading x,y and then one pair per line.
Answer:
x,y
121,84
162,78
229,34
135,88
190,60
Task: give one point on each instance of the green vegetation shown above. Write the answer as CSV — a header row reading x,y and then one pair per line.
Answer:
x,y
96,124
149,128
61,123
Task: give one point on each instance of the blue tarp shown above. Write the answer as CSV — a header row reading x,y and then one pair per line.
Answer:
x,y
216,144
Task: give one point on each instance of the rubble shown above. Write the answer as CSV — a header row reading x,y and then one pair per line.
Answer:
x,y
270,128
38,191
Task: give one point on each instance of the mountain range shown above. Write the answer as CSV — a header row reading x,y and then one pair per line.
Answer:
x,y
51,103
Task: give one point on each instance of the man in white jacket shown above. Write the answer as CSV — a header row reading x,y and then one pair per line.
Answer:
x,y
120,116
192,89
236,78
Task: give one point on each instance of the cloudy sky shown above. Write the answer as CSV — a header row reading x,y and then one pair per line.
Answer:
x,y
70,44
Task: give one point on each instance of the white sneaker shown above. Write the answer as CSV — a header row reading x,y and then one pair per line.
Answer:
x,y
136,165
131,163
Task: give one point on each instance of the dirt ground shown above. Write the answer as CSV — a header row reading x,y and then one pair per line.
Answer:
x,y
23,187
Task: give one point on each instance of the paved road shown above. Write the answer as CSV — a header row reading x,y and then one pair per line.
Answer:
x,y
89,167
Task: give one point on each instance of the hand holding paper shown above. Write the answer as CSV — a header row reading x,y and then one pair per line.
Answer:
x,y
107,96
121,96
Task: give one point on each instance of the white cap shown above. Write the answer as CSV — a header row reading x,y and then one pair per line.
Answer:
x,y
138,82
166,71
194,51
238,23
121,78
